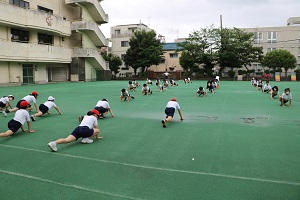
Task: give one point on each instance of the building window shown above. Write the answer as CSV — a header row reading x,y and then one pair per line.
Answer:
x,y
162,60
258,37
118,32
270,49
173,55
19,35
40,8
45,39
257,67
298,53
124,44
272,37
21,3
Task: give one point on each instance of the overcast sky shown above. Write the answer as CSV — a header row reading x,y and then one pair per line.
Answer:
x,y
178,18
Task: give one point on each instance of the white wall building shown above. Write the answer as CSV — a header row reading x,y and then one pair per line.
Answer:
x,y
284,37
120,36
51,40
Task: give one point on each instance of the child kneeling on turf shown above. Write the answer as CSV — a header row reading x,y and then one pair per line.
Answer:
x,y
201,92
125,95
17,122
45,107
87,128
286,97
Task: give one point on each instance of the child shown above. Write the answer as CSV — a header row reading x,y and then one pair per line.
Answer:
x,y
267,88
4,104
210,87
87,128
45,107
172,82
285,97
103,107
158,85
17,122
125,95
259,84
146,90
170,109
201,92
29,98
148,81
165,84
131,86
274,92
135,83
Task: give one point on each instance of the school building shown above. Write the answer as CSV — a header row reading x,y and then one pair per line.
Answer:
x,y
51,41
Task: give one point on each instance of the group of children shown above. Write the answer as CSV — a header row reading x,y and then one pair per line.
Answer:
x,y
22,115
273,91
211,85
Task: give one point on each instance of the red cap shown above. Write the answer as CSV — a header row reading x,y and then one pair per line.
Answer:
x,y
24,104
34,93
173,99
95,112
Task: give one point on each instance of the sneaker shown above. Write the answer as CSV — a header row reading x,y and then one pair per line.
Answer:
x,y
163,123
86,141
102,116
4,113
132,97
80,118
52,146
32,117
125,98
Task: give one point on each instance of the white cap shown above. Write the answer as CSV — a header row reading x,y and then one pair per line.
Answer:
x,y
51,98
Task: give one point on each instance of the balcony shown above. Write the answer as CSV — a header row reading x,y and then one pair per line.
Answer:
x,y
93,7
24,52
92,56
92,31
11,15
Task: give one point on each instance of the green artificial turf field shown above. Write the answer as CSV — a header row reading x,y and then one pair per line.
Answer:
x,y
234,144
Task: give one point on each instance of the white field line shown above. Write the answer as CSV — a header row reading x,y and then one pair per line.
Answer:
x,y
66,185
159,168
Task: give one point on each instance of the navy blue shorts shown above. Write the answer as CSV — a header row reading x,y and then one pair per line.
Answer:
x,y
2,105
14,125
170,111
18,104
101,109
43,108
82,131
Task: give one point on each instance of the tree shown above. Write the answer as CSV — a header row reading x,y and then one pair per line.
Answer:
x,y
114,62
278,59
145,50
198,50
236,49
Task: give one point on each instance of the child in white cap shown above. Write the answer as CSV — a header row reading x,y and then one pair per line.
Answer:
x,y
45,107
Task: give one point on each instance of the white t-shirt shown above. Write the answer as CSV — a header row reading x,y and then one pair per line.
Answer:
x,y
125,94
5,100
173,104
103,104
145,88
89,121
22,116
50,104
218,78
267,87
166,74
30,99
286,97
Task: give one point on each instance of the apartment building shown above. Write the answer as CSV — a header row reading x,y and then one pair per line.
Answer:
x,y
51,40
120,36
284,37
169,61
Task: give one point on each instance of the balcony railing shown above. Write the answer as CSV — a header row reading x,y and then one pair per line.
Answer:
x,y
93,7
92,31
92,56
27,52
33,19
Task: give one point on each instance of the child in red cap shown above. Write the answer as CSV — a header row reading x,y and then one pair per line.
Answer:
x,y
31,98
17,122
171,107
87,128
